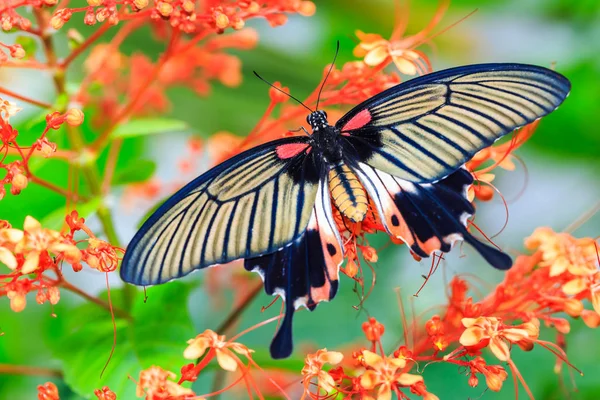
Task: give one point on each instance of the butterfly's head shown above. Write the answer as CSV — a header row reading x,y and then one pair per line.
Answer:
x,y
317,120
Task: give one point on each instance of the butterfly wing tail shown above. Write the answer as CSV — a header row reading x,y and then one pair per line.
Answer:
x,y
303,273
428,217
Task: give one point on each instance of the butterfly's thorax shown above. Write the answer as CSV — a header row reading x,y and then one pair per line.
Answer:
x,y
347,193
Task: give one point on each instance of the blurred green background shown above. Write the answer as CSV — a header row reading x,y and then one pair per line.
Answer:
x,y
562,183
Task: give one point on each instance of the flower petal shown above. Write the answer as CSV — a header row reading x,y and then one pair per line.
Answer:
x,y
31,224
371,359
376,56
472,336
409,379
226,360
369,379
8,258
31,263
500,349
574,286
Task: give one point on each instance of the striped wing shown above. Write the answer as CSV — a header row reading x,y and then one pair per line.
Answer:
x,y
253,204
424,129
304,273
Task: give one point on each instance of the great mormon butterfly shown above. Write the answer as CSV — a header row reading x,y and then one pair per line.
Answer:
x,y
403,149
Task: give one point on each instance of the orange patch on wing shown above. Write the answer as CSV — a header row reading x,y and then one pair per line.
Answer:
x,y
319,294
290,150
430,245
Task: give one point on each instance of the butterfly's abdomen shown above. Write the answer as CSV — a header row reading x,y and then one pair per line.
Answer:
x,y
348,194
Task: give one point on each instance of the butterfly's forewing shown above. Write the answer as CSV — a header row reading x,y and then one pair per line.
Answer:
x,y
306,272
255,203
424,129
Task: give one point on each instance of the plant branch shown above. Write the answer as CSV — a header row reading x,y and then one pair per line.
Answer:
x,y
74,289
24,98
9,369
48,185
237,312
135,99
83,46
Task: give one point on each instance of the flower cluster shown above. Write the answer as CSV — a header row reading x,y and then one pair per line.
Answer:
x,y
370,375
49,391
186,15
31,253
564,272
18,174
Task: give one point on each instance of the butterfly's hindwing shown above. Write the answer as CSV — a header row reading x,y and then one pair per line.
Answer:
x,y
255,203
304,273
426,128
428,217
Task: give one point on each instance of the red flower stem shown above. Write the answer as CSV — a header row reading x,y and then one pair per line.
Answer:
x,y
74,289
8,369
111,163
24,98
13,6
29,64
119,37
67,194
88,42
135,100
237,312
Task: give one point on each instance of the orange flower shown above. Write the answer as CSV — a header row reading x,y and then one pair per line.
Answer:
x,y
154,383
398,49
376,51
489,332
48,391
562,252
386,373
225,356
313,368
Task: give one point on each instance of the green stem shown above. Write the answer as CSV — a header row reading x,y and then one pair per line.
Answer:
x,y
87,160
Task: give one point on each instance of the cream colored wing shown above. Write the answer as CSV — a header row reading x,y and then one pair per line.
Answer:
x,y
426,128
254,204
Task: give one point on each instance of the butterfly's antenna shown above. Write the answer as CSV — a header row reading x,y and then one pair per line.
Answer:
x,y
337,49
279,90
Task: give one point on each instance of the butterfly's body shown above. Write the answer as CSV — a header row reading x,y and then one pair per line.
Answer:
x,y
401,151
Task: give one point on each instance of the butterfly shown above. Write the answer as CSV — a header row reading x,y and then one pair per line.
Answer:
x,y
403,150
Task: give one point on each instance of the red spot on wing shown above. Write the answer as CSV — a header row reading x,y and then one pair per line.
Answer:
x,y
358,121
290,150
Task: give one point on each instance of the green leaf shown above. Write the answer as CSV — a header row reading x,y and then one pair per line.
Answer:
x,y
157,335
149,126
56,218
29,44
139,171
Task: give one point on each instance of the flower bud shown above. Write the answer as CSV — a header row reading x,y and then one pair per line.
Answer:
x,y
188,6
573,307
41,297
53,295
139,4
473,380
17,51
306,8
95,3
74,117
165,9
57,22
19,182
590,318
221,20
17,300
